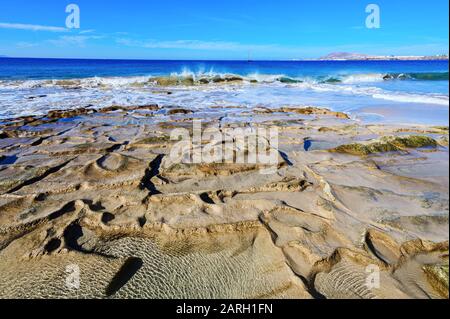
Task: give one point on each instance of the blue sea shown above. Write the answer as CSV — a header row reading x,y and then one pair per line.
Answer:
x,y
370,91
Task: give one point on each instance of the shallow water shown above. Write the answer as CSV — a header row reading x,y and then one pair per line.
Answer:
x,y
235,268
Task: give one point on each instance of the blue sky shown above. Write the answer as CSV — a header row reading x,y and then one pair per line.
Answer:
x,y
200,29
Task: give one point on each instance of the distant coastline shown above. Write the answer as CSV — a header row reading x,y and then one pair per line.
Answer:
x,y
346,56
337,56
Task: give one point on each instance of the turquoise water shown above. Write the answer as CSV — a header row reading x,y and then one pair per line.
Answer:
x,y
373,91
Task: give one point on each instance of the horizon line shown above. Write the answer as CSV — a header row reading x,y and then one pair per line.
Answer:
x,y
420,57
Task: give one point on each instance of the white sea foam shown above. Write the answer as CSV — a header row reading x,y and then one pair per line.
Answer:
x,y
378,93
363,78
39,96
113,81
413,98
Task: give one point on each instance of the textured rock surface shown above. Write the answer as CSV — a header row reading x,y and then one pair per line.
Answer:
x,y
97,190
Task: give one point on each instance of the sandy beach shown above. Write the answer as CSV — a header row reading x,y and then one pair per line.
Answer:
x,y
350,210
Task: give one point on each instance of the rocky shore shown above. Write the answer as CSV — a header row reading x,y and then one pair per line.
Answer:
x,y
351,210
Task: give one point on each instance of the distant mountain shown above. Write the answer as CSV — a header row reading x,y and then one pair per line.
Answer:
x,y
336,56
344,56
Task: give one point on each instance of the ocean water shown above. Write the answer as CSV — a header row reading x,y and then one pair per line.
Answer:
x,y
370,91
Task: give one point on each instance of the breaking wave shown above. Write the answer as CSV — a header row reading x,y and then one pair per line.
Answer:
x,y
189,78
